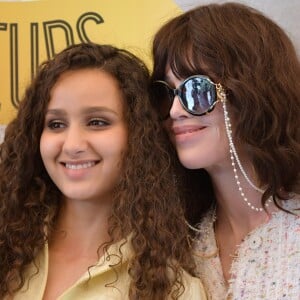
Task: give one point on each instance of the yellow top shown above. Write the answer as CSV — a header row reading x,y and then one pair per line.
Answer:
x,y
100,283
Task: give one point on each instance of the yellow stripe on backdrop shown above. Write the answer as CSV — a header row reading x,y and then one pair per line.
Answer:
x,y
32,31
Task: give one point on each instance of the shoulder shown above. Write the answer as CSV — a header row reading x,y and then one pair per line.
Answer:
x,y
194,289
289,220
35,278
204,243
292,205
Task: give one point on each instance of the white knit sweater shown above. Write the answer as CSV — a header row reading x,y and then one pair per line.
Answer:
x,y
267,265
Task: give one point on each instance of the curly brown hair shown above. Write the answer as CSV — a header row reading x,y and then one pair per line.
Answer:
x,y
145,204
256,62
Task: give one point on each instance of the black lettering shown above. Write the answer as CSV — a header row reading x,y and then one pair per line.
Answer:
x,y
3,26
34,47
14,70
81,22
49,27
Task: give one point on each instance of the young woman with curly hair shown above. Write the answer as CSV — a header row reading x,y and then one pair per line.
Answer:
x,y
89,206
226,83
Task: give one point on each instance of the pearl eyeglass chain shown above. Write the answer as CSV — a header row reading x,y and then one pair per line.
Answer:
x,y
234,157
221,95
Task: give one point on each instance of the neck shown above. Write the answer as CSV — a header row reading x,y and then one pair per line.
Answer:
x,y
234,215
82,227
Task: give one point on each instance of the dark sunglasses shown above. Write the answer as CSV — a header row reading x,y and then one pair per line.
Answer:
x,y
197,94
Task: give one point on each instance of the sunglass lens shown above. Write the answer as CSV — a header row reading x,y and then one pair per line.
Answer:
x,y
198,95
162,99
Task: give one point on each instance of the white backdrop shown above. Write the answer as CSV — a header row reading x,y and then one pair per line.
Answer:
x,y
2,127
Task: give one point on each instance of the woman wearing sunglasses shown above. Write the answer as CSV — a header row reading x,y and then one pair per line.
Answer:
x,y
226,85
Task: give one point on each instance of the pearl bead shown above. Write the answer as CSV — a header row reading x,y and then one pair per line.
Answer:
x,y
234,158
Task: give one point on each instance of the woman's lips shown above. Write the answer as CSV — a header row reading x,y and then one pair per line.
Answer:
x,y
186,133
186,129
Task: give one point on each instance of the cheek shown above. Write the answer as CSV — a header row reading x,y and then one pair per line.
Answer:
x,y
48,147
221,146
222,137
115,145
43,146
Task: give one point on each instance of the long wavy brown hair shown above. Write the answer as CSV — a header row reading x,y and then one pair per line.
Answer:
x,y
146,204
253,58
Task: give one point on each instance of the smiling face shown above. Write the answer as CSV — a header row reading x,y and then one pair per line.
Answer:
x,y
200,141
84,135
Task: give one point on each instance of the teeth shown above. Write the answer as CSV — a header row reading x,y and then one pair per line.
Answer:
x,y
79,166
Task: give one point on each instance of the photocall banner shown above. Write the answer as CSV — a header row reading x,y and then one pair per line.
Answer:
x,y
33,31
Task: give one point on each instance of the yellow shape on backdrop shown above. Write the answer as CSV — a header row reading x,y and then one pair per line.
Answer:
x,y
30,32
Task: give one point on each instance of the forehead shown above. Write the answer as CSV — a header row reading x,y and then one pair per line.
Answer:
x,y
86,87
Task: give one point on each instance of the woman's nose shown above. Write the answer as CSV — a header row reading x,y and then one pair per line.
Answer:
x,y
177,111
75,141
